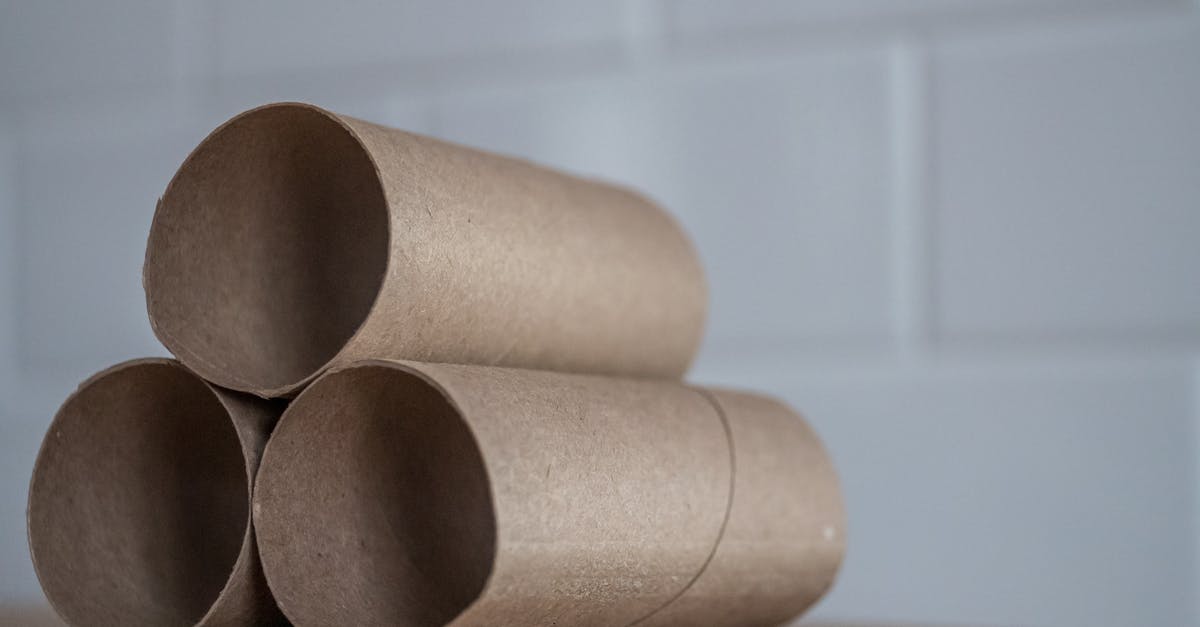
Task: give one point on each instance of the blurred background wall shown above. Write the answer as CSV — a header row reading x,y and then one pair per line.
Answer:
x,y
962,235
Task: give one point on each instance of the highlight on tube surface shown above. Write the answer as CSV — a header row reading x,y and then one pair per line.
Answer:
x,y
372,504
268,248
139,503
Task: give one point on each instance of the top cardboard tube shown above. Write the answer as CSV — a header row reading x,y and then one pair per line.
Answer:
x,y
402,493
139,505
294,238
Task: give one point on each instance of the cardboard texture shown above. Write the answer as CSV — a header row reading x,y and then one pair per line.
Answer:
x,y
139,506
403,493
294,238
785,536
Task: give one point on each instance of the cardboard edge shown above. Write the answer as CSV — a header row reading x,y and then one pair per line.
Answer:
x,y
242,564
415,369
222,376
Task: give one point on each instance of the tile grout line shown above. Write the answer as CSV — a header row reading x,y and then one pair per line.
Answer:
x,y
19,286
910,236
9,275
1195,487
193,48
644,37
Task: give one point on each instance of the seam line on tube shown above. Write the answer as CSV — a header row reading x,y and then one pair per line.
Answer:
x,y
712,400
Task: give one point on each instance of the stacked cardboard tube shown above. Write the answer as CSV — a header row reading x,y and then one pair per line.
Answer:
x,y
419,384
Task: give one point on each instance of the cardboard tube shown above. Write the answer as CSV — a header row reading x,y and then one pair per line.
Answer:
x,y
139,506
294,238
401,493
785,537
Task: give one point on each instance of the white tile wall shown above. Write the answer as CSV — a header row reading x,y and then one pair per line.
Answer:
x,y
1068,185
1067,491
52,49
85,209
300,37
962,236
708,16
782,167
20,436
8,263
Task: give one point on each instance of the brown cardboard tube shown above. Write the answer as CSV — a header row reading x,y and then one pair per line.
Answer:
x,y
139,506
784,540
401,493
294,238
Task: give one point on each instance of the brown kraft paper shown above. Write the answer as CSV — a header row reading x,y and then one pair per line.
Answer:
x,y
402,493
139,506
294,238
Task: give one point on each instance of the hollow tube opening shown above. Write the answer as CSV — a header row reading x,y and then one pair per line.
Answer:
x,y
373,503
139,503
268,248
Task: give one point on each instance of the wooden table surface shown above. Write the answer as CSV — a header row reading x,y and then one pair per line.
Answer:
x,y
42,616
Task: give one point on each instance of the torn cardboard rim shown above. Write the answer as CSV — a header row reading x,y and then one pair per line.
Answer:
x,y
139,504
293,239
427,494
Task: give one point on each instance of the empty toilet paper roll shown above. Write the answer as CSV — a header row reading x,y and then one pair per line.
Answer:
x,y
783,541
401,493
294,238
139,507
